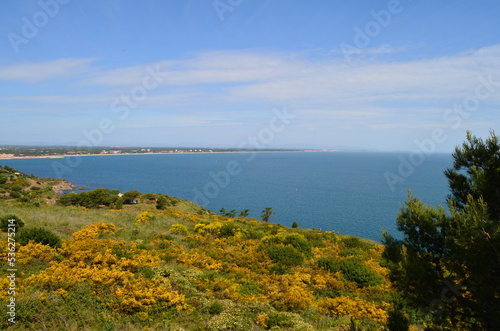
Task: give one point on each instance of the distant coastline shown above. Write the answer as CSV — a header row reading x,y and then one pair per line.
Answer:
x,y
9,156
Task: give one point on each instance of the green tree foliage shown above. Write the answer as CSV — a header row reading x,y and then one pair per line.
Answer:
x,y
13,220
131,195
92,199
162,202
39,235
119,204
244,213
231,213
448,263
266,214
476,172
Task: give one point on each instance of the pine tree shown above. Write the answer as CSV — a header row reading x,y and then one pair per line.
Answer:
x,y
448,263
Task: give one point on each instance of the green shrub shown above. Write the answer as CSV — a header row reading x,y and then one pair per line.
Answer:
x,y
328,263
280,320
228,230
285,255
279,269
38,235
11,219
249,288
131,195
354,242
92,199
3,179
254,234
71,199
295,225
299,242
15,195
119,203
23,199
146,271
148,196
162,202
355,271
215,308
35,188
16,188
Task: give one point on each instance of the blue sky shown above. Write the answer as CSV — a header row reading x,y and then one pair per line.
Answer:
x,y
379,75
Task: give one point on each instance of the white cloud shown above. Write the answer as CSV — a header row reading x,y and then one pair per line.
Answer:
x,y
214,86
34,72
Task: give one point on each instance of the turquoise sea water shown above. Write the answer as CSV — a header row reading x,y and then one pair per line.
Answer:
x,y
343,191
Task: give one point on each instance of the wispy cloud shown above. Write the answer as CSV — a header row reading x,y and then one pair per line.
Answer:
x,y
34,72
375,94
383,49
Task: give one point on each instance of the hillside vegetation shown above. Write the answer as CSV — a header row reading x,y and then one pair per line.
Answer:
x,y
93,262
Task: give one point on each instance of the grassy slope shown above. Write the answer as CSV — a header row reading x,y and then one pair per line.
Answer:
x,y
239,274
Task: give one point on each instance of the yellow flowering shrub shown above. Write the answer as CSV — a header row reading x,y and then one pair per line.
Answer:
x,y
199,260
109,267
179,229
93,231
214,228
35,251
200,228
261,320
140,294
144,217
375,266
290,292
355,307
173,212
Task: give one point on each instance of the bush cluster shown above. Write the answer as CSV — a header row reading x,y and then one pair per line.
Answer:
x,y
285,255
4,222
92,199
352,269
39,235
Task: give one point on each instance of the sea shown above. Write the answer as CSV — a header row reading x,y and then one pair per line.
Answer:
x,y
352,193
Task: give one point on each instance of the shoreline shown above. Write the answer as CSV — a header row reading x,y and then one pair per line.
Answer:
x,y
165,153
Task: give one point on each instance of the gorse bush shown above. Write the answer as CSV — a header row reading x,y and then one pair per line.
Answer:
x,y
178,229
38,235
